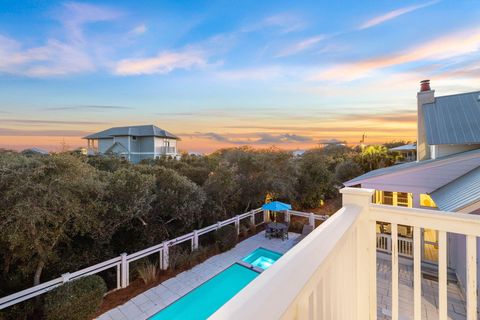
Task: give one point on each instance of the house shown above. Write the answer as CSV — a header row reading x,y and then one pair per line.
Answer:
x,y
446,175
134,143
408,152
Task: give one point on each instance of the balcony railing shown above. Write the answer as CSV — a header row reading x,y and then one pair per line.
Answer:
x,y
166,150
332,273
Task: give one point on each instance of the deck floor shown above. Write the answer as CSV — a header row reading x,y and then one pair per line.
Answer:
x,y
152,301
456,301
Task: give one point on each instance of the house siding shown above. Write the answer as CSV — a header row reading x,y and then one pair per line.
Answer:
x,y
104,144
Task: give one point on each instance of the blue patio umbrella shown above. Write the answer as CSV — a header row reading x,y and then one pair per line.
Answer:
x,y
276,206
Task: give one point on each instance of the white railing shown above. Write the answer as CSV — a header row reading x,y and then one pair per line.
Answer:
x,y
122,262
405,245
332,273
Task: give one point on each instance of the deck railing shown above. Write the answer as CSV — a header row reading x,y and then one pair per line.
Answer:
x,y
332,273
122,262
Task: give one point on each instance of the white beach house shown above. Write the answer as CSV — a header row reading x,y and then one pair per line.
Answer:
x,y
134,143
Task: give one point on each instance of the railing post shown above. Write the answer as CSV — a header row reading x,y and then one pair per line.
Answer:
x,y
287,216
252,218
65,277
311,219
195,240
164,256
237,224
218,225
124,268
366,253
119,277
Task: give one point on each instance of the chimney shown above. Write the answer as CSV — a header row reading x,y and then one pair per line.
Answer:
x,y
425,85
424,96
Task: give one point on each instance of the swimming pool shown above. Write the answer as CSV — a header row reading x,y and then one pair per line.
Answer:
x,y
203,301
262,258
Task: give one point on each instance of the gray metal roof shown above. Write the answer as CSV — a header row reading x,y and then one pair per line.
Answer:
x,y
405,166
459,193
138,131
406,147
453,119
382,171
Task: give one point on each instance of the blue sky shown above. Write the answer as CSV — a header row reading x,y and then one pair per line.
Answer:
x,y
219,73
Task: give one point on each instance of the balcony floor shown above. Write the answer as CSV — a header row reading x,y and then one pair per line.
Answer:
x,y
456,301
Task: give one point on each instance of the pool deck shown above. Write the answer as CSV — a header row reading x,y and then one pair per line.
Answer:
x,y
155,299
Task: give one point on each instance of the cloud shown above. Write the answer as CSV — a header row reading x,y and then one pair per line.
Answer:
x,y
164,62
282,22
68,54
393,14
258,138
43,133
282,138
89,107
301,46
47,122
138,30
445,47
261,73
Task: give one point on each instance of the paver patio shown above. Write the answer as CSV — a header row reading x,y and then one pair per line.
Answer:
x,y
155,299
456,301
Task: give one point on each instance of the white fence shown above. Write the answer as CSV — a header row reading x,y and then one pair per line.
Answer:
x,y
332,273
122,262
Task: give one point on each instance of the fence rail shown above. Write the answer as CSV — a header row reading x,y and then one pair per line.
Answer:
x,y
122,262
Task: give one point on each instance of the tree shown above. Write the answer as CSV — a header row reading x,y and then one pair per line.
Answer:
x,y
347,170
315,181
375,157
44,200
223,189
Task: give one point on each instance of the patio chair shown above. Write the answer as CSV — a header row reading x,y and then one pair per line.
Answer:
x,y
269,232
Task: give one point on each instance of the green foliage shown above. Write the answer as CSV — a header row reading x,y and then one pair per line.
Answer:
x,y
21,311
347,170
63,212
76,300
296,226
226,238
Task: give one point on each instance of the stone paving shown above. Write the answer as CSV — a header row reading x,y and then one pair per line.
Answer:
x,y
456,301
152,301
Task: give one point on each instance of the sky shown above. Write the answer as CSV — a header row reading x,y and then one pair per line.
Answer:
x,y
289,74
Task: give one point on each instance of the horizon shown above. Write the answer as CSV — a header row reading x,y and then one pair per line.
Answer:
x,y
260,74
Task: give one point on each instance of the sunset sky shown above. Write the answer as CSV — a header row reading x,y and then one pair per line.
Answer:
x,y
229,73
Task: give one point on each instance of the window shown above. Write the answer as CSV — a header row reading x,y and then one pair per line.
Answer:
x,y
387,197
391,198
402,199
427,201
134,138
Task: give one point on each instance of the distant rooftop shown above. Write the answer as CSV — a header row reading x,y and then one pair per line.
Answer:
x,y
406,147
138,131
453,119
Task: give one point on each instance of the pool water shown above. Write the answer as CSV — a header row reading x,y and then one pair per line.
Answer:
x,y
204,300
262,258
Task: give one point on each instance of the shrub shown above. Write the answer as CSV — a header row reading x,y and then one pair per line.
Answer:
x,y
296,226
147,271
244,230
178,258
21,311
76,300
226,238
